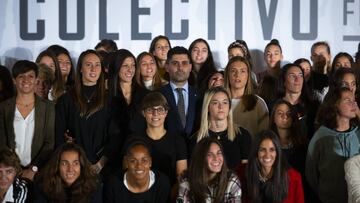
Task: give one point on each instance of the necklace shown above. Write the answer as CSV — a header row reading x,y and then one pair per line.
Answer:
x,y
88,99
26,105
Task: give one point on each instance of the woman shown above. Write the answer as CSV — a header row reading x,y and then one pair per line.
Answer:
x,y
240,48
82,113
267,78
202,63
284,122
342,60
217,122
125,94
138,183
12,188
147,74
44,81
159,47
65,64
248,109
292,88
6,84
268,179
208,178
67,178
168,149
216,79
333,143
273,56
27,121
57,87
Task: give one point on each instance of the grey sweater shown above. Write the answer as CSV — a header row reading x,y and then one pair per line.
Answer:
x,y
327,152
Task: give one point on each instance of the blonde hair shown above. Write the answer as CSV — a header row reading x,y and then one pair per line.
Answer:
x,y
203,132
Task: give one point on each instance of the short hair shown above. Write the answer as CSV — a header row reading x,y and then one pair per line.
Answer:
x,y
177,50
108,44
23,66
320,43
134,141
9,158
154,99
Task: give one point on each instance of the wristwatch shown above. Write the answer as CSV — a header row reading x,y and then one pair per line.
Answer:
x,y
34,168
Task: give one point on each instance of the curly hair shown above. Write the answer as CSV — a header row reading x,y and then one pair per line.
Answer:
x,y
328,111
56,190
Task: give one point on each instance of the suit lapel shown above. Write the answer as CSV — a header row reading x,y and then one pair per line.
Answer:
x,y
40,110
9,119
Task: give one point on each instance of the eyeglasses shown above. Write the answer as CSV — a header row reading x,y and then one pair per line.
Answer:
x,y
159,110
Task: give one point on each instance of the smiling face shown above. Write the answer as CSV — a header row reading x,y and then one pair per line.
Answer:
x,y
138,163
282,117
90,69
267,155
199,53
127,70
25,82
215,159
155,116
69,167
65,64
147,68
7,177
347,106
238,75
161,49
294,80
219,107
273,56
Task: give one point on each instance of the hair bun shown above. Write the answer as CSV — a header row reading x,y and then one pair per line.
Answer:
x,y
275,41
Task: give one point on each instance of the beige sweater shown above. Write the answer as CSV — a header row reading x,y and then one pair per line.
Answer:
x,y
255,120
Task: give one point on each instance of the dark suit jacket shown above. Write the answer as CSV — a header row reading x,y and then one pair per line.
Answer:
x,y
173,122
44,130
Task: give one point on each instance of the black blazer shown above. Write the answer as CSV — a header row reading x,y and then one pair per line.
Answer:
x,y
44,131
173,122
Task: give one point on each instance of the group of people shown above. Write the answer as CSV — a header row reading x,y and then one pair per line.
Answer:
x,y
170,126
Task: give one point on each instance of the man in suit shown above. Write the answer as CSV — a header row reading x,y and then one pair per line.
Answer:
x,y
182,97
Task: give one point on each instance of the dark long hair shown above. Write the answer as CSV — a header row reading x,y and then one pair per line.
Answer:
x,y
115,65
296,136
328,111
198,174
304,96
249,99
77,92
153,44
206,69
7,84
55,188
57,50
58,85
278,183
